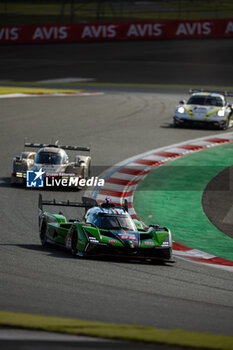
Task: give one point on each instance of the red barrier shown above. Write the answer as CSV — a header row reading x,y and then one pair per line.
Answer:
x,y
81,32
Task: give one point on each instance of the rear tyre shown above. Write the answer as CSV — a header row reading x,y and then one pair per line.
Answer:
x,y
74,242
43,230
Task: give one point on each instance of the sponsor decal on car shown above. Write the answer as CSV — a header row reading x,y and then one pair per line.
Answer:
x,y
130,237
68,241
149,243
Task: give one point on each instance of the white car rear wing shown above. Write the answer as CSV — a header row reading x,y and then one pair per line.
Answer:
x,y
66,147
221,92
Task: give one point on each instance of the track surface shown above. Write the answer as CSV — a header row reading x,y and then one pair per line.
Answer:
x,y
119,125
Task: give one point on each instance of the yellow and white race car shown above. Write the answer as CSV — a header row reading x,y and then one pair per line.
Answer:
x,y
205,108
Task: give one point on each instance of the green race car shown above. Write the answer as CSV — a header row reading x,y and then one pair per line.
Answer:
x,y
106,230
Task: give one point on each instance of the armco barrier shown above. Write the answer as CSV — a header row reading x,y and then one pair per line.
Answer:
x,y
149,30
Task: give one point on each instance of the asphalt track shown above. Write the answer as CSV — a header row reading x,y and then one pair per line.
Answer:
x,y
119,124
20,339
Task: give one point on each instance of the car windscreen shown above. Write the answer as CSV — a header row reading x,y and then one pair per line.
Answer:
x,y
48,158
206,101
114,222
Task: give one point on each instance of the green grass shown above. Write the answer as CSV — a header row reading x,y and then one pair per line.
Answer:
x,y
175,337
18,84
6,90
40,13
172,196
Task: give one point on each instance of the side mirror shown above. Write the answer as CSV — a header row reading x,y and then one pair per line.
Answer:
x,y
182,102
154,226
78,163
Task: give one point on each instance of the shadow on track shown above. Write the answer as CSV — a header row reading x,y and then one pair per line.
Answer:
x,y
61,252
5,182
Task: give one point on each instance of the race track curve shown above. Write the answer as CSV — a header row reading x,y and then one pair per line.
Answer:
x,y
119,124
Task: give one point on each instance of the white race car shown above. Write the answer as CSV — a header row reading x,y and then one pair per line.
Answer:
x,y
205,108
53,160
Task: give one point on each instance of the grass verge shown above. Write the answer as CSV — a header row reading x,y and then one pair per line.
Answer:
x,y
113,331
172,195
18,84
34,12
7,90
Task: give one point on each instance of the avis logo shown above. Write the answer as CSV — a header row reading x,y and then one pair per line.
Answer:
x,y
35,178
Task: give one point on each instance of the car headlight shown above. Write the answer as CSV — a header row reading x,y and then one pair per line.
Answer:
x,y
220,113
181,109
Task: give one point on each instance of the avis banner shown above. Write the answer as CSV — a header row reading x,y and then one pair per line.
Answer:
x,y
149,30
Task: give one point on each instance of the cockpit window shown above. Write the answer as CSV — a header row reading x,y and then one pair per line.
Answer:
x,y
114,222
206,101
48,158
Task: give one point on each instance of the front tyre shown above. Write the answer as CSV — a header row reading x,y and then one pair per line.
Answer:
x,y
43,230
74,242
226,125
175,124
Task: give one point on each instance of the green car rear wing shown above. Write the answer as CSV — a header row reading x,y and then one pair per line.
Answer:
x,y
87,203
